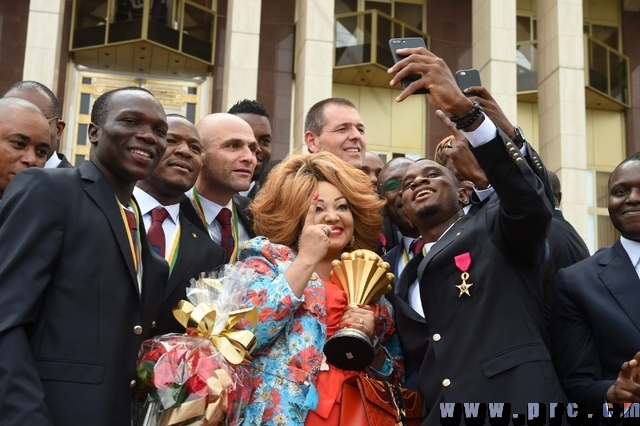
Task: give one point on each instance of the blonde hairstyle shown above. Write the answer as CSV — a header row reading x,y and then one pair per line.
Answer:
x,y
280,207
439,156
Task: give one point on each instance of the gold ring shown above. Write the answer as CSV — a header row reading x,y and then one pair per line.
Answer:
x,y
360,321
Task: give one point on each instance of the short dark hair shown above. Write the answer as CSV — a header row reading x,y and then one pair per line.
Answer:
x,y
315,119
633,157
247,106
28,85
101,105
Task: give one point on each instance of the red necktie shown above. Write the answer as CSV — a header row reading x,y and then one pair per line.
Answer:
x,y
226,240
416,246
155,234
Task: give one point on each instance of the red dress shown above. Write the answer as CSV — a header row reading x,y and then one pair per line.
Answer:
x,y
329,384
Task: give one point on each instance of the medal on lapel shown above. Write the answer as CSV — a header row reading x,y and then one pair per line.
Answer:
x,y
463,262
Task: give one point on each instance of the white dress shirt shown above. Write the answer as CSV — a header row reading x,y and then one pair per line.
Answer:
x,y
146,203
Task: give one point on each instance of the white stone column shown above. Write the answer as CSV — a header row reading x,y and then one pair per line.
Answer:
x,y
314,54
494,51
561,103
242,52
44,34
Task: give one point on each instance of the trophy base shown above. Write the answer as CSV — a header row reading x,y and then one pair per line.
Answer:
x,y
349,349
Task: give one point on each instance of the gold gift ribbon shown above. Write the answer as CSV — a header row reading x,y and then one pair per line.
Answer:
x,y
234,345
213,406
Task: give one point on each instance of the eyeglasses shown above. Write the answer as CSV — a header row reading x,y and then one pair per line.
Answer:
x,y
391,184
55,117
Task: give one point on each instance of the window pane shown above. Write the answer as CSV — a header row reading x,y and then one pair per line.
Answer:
x,y
605,34
346,6
410,14
90,23
78,160
85,101
598,67
82,134
607,234
523,28
619,80
602,191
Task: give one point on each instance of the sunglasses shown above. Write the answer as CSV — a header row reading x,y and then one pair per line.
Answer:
x,y
391,184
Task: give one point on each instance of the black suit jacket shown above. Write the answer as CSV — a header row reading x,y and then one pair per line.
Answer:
x,y
64,163
489,347
72,317
198,253
567,247
241,203
595,324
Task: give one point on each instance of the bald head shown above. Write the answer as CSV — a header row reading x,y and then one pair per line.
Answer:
x,y
229,156
42,97
24,138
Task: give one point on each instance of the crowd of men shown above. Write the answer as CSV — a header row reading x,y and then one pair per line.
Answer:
x,y
488,305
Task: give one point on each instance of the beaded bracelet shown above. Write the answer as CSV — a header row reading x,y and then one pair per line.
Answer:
x,y
477,115
471,112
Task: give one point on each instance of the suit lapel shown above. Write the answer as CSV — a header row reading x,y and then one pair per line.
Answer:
x,y
187,252
449,237
621,279
104,197
408,276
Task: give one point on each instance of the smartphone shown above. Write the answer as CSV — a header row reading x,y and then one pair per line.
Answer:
x,y
401,43
468,78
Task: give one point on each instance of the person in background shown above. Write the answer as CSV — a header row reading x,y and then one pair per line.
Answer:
x,y
41,96
311,210
254,113
186,248
334,125
372,166
24,138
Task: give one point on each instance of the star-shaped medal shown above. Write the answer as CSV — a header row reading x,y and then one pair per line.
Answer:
x,y
464,287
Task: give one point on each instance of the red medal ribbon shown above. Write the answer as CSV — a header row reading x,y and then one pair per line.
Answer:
x,y
463,261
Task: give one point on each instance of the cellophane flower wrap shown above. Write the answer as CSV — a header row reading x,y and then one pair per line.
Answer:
x,y
201,377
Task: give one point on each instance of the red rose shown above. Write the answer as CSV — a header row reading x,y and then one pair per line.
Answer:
x,y
196,388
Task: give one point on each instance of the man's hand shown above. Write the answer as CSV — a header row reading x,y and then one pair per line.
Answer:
x,y
436,77
627,385
492,109
460,155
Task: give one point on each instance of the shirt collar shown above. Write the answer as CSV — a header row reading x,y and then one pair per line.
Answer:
x,y
632,248
209,208
146,203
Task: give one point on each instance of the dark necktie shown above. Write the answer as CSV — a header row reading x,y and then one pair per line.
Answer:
x,y
155,235
416,246
133,227
226,240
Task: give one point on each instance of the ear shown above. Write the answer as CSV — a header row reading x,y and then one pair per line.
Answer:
x,y
94,131
311,141
60,126
463,198
559,198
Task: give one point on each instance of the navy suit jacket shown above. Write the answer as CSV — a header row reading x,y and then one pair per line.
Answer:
x,y
489,347
197,253
595,324
72,316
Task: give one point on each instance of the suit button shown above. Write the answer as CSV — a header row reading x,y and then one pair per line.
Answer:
x,y
518,160
137,330
436,337
132,384
153,324
446,383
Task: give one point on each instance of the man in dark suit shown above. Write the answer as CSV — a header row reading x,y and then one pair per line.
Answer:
x,y
229,159
254,113
40,95
24,138
567,247
478,286
79,285
596,320
188,250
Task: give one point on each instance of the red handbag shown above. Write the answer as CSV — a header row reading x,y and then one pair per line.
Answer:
x,y
370,402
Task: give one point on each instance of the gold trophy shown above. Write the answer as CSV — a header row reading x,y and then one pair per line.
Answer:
x,y
364,277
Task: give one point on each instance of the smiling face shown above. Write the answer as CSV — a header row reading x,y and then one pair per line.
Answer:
x,y
624,199
262,131
390,183
179,167
430,195
24,142
333,210
342,134
229,157
129,143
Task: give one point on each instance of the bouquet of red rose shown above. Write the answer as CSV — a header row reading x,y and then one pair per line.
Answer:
x,y
201,377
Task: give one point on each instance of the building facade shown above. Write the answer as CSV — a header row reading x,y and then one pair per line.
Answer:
x,y
566,71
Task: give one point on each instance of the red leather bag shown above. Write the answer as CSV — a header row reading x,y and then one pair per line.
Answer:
x,y
370,402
